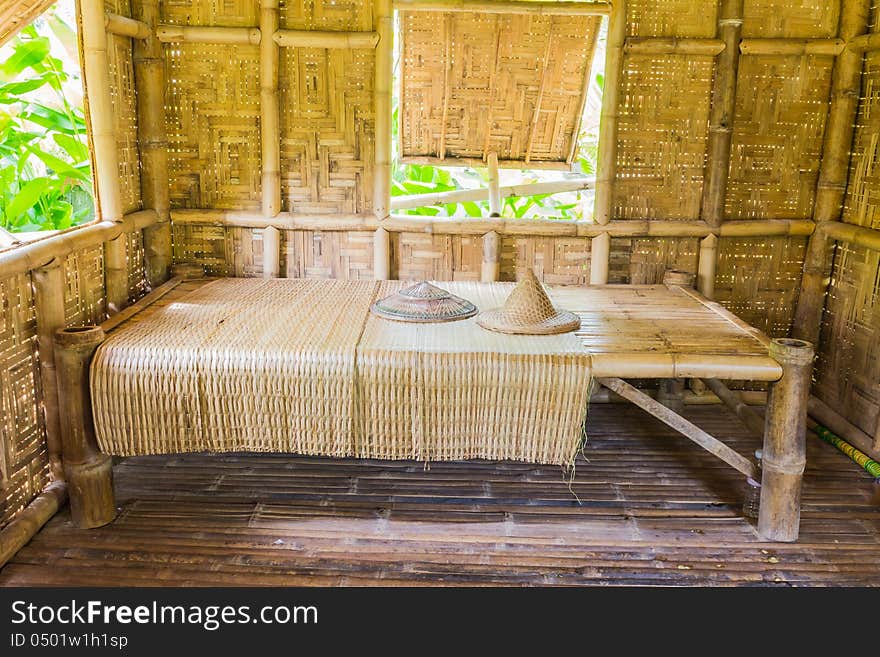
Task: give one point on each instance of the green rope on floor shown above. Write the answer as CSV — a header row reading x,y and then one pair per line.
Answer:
x,y
870,465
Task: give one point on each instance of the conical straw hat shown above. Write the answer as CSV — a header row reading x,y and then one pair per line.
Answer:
x,y
529,311
423,302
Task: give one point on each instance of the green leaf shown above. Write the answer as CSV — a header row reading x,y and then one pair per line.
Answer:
x,y
27,197
472,209
75,148
60,167
52,119
27,55
18,88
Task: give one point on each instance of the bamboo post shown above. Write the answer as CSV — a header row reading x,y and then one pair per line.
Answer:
x,y
149,67
708,261
721,115
271,252
49,311
671,394
382,255
833,170
115,274
89,472
491,271
735,402
26,524
600,255
494,186
383,23
270,125
607,149
785,447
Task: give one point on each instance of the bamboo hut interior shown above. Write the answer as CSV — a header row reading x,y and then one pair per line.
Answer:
x,y
734,233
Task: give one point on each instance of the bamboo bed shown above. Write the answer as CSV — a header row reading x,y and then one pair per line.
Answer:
x,y
162,377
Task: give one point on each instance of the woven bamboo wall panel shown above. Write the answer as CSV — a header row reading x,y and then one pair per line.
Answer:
x,y
24,460
512,84
84,296
134,257
331,15
327,130
120,7
644,261
848,367
681,18
863,190
246,250
803,19
781,106
662,129
205,245
17,14
422,256
758,279
226,13
213,123
327,254
124,102
555,260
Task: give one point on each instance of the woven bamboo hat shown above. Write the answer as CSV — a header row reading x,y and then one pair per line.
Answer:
x,y
423,302
529,311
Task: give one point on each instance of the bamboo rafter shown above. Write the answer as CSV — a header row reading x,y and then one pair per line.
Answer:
x,y
508,7
254,36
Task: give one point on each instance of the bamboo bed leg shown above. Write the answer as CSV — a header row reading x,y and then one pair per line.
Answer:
x,y
494,186
784,453
600,254
491,257
707,265
671,394
271,252
381,255
49,310
89,472
149,66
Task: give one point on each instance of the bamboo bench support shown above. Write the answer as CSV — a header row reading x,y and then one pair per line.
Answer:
x,y
200,34
685,427
673,46
785,445
89,472
734,401
318,39
26,524
829,47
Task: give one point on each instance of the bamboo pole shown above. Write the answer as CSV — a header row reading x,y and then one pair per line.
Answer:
x,y
49,310
792,47
491,270
186,271
607,148
683,426
494,186
127,27
318,39
508,7
671,394
785,450
833,169
271,252
721,115
381,255
673,46
548,165
733,400
850,233
483,194
199,34
115,274
119,318
864,43
270,121
678,278
383,24
89,472
831,419
26,524
149,68
600,256
707,265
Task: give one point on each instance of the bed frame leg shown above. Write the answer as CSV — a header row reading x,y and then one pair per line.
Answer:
x,y
671,394
89,472
785,448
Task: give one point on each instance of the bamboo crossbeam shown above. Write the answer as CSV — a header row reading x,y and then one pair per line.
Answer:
x,y
149,67
494,188
508,7
864,43
28,257
26,524
482,193
831,419
606,165
849,233
201,34
730,317
683,426
127,27
734,401
383,24
479,162
109,324
323,39
270,111
673,46
829,47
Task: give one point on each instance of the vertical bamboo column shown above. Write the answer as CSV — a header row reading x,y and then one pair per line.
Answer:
x,y
89,472
494,186
730,19
606,168
149,77
600,255
785,446
833,170
708,261
383,24
491,270
49,310
381,255
104,156
271,252
270,134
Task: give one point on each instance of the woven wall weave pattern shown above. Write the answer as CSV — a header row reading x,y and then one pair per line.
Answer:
x,y
327,254
863,190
